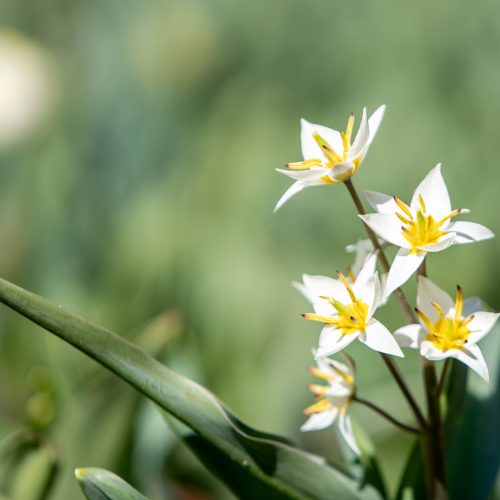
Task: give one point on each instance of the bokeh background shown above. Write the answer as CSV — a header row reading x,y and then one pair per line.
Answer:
x,y
138,142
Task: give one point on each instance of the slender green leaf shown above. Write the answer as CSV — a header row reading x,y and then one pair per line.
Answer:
x,y
100,484
277,469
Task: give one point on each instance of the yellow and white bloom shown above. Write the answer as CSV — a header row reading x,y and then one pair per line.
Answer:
x,y
329,155
423,226
333,399
346,309
444,331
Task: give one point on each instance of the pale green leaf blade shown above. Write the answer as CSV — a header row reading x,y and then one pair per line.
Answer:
x,y
275,466
100,484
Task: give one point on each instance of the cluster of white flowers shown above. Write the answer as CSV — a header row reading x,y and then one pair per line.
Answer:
x,y
346,305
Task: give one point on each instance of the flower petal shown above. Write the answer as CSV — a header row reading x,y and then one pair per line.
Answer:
x,y
473,358
445,241
469,232
319,421
323,286
331,341
310,148
378,337
367,269
482,323
295,188
362,137
382,203
430,351
434,193
427,293
374,122
409,336
345,429
387,226
341,171
404,265
368,292
309,174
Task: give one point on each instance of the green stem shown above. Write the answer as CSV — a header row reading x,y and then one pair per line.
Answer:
x,y
444,374
434,438
388,416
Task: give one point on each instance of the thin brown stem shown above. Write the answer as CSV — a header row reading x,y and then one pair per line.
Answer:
x,y
403,301
388,416
405,305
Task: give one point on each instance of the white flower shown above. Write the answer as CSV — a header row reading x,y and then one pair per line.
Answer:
x,y
329,155
423,226
334,399
346,309
443,331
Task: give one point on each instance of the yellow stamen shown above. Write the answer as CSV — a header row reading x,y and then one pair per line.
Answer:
x,y
459,304
427,322
351,276
422,204
327,149
404,207
349,128
318,390
321,406
304,165
456,212
438,308
404,220
347,285
320,374
317,317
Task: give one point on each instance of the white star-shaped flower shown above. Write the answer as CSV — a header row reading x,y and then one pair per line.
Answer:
x,y
329,155
423,226
334,399
443,331
346,309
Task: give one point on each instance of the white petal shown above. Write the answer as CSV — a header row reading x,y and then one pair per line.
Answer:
x,y
321,420
434,193
445,241
374,122
387,226
345,429
331,341
362,137
409,336
404,265
482,323
368,292
381,202
427,293
430,351
472,357
341,171
469,232
471,305
367,269
323,286
310,148
378,337
295,188
309,174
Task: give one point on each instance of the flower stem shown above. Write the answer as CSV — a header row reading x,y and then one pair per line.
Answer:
x,y
444,374
405,306
434,439
388,416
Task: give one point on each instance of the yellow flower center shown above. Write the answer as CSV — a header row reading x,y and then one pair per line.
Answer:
x,y
333,158
422,229
350,318
448,332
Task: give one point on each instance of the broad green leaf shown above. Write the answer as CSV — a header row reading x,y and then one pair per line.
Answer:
x,y
412,484
472,429
275,469
100,484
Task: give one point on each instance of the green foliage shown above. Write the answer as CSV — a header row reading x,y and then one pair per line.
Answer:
x,y
100,484
270,466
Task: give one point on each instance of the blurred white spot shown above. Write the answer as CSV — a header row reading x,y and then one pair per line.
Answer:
x,y
27,87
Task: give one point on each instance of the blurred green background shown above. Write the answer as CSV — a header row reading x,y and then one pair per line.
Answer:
x,y
138,142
